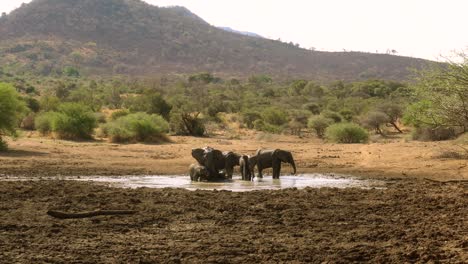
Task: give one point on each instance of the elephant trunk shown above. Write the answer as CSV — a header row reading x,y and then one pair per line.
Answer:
x,y
293,164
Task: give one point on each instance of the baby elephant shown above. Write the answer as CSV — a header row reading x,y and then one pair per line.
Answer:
x,y
245,168
198,172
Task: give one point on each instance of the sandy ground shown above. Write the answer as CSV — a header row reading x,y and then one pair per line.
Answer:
x,y
394,157
411,220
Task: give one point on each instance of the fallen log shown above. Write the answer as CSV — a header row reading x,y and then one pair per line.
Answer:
x,y
63,215
449,181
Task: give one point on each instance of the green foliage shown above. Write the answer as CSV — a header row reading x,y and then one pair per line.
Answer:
x,y
11,108
74,121
319,124
137,127
261,125
203,78
3,145
118,114
249,117
274,116
443,97
33,104
71,72
44,122
346,133
150,102
187,124
374,120
49,103
312,107
336,117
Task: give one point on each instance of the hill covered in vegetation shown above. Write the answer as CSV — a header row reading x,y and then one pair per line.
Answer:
x,y
92,37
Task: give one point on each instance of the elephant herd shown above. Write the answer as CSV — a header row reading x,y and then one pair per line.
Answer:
x,y
215,165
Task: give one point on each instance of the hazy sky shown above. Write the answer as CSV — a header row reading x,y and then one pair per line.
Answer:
x,y
418,28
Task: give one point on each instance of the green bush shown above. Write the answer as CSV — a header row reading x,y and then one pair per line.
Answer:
x,y
337,118
260,125
319,124
346,133
249,117
3,145
43,122
118,114
138,127
74,121
11,108
187,124
274,116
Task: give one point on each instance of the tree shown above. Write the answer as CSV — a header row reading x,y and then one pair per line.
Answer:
x,y
393,112
11,108
374,120
444,97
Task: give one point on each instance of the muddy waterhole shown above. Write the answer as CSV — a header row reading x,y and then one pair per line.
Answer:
x,y
236,184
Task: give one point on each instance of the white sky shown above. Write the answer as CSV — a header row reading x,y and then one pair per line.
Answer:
x,y
419,28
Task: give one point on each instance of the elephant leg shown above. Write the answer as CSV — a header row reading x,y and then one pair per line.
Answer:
x,y
276,170
260,172
229,172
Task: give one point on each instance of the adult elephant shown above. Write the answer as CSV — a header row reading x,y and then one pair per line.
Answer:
x,y
272,158
215,161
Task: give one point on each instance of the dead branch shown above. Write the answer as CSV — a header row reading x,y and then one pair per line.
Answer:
x,y
449,181
63,215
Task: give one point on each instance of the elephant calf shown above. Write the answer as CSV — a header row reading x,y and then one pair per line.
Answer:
x,y
198,173
245,168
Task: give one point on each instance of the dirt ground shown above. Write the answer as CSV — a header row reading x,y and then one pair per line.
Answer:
x,y
411,220
389,158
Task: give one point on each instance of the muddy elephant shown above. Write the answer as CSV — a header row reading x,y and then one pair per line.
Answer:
x,y
198,173
272,158
215,161
245,168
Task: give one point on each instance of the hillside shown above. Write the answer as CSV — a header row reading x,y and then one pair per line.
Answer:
x,y
132,37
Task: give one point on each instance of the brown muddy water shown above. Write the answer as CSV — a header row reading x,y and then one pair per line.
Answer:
x,y
236,184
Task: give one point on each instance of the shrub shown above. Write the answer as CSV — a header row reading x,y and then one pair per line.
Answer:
x,y
118,114
319,124
260,125
187,124
346,133
138,127
43,122
433,134
74,121
10,110
3,145
249,117
274,116
332,115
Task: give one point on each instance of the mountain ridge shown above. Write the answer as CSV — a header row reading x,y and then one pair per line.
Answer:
x,y
133,37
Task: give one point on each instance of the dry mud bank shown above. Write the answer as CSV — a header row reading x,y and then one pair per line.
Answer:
x,y
387,159
410,221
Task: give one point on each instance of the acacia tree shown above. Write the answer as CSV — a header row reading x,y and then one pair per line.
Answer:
x,y
444,93
10,109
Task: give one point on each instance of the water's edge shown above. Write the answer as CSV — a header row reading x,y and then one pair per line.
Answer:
x,y
236,184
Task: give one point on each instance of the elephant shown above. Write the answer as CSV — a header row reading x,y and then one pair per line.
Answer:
x,y
215,161
198,173
272,159
231,160
245,169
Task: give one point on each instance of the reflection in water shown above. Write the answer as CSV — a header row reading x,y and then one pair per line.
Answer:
x,y
236,184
